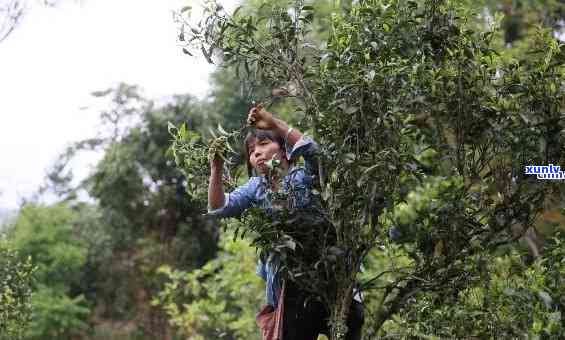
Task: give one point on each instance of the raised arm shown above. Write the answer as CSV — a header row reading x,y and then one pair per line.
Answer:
x,y
216,195
228,204
263,119
282,128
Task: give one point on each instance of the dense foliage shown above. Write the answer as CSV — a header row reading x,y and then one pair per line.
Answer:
x,y
222,295
407,95
512,301
16,278
45,235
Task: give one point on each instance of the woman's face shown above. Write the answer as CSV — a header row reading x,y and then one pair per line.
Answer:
x,y
261,151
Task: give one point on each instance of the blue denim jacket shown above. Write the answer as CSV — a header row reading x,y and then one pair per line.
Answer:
x,y
254,194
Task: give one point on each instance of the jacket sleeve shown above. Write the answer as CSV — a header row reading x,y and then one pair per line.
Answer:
x,y
237,201
308,149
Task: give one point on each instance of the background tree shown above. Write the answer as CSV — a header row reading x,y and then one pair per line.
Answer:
x,y
143,208
218,300
45,236
142,217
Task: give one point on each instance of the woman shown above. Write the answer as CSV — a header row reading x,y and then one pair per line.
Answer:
x,y
275,139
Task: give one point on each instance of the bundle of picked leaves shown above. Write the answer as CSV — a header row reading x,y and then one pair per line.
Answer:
x,y
193,156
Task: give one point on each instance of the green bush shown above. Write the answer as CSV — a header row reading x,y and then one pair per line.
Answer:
x,y
220,299
47,235
16,278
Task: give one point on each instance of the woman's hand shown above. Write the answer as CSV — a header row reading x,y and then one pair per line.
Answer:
x,y
261,118
216,152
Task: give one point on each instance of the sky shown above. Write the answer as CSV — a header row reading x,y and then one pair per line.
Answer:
x,y
58,56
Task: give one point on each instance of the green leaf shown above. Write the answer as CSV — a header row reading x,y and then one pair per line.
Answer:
x,y
349,158
171,127
546,298
369,169
183,132
102,93
290,244
222,131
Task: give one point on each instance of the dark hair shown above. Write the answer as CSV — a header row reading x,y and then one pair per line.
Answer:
x,y
260,135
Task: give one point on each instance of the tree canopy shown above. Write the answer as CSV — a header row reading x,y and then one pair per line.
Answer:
x,y
426,129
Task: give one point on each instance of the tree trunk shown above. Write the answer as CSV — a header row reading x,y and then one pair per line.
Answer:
x,y
340,310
